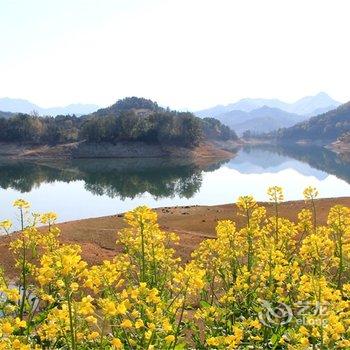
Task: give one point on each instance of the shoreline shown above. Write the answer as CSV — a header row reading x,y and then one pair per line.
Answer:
x,y
83,150
193,224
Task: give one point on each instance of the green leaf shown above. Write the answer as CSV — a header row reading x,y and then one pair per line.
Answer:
x,y
204,304
274,338
180,346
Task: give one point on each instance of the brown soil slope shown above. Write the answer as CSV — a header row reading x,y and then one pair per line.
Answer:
x,y
97,236
77,150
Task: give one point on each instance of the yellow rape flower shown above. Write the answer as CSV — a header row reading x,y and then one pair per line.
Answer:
x,y
21,204
169,338
117,344
7,328
126,324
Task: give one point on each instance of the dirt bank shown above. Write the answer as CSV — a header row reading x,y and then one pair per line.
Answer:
x,y
97,236
78,150
341,146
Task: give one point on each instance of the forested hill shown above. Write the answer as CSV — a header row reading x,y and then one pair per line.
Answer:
x,y
130,119
6,114
127,104
139,119
324,128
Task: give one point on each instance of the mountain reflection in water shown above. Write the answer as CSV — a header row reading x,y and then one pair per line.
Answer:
x,y
86,188
124,178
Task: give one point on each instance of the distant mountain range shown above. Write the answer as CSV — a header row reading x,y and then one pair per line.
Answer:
x,y
24,106
257,115
261,120
264,115
305,106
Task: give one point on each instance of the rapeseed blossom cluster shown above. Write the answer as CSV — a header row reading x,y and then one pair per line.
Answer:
x,y
270,284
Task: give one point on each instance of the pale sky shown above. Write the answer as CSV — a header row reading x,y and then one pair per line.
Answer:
x,y
182,53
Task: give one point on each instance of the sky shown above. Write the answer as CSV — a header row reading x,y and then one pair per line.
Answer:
x,y
186,54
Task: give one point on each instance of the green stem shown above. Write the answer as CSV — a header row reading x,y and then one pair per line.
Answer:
x,y
276,218
180,319
143,272
71,325
314,212
341,267
24,274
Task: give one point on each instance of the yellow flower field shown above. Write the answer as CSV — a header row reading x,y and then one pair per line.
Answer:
x,y
272,284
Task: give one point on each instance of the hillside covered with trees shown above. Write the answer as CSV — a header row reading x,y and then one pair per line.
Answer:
x,y
6,114
324,128
130,119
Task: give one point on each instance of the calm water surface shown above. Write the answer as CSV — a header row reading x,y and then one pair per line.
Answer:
x,y
90,188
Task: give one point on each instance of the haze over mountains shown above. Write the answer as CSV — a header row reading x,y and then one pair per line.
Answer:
x,y
260,120
24,106
305,106
256,115
265,115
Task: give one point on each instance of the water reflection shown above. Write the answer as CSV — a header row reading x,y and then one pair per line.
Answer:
x,y
318,158
123,178
164,178
89,188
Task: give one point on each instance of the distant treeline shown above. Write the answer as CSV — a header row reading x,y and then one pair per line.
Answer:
x,y
25,128
130,119
325,128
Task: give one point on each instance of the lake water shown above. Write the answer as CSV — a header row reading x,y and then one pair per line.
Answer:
x,y
91,188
